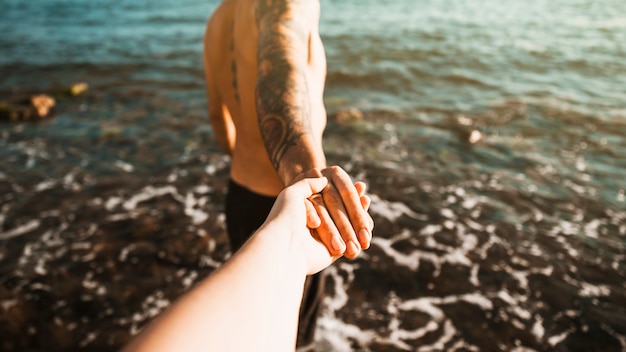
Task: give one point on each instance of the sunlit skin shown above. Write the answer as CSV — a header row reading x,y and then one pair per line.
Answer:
x,y
219,314
265,70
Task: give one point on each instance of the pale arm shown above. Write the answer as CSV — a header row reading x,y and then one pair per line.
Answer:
x,y
221,314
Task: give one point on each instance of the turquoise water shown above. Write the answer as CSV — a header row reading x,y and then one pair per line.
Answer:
x,y
466,55
113,208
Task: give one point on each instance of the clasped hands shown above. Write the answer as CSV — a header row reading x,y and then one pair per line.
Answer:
x,y
337,214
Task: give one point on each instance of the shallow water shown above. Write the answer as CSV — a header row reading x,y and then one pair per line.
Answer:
x,y
113,208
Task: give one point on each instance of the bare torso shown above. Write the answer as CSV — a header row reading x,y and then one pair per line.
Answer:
x,y
231,48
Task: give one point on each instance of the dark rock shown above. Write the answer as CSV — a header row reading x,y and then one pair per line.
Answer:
x,y
32,106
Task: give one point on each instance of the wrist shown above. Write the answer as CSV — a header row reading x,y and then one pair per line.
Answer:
x,y
285,247
300,173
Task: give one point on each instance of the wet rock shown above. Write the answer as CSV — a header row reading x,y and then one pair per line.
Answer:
x,y
352,114
43,104
466,131
469,135
20,106
475,136
34,107
77,88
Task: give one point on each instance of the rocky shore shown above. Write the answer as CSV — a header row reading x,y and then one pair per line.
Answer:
x,y
34,105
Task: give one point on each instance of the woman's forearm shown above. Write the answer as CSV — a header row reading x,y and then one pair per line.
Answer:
x,y
250,304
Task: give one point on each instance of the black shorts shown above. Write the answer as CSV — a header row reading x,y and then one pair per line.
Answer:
x,y
245,213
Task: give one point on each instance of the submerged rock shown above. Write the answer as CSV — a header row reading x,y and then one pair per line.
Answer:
x,y
352,114
43,104
469,135
33,106
475,136
78,88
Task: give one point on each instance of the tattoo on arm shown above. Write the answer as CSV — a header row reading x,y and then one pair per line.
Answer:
x,y
282,97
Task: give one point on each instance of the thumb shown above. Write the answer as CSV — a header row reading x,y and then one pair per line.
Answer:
x,y
309,186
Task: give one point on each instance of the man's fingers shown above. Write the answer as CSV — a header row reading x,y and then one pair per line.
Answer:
x,y
327,232
349,204
339,215
366,201
361,187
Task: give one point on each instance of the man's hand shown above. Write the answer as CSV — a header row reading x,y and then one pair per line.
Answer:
x,y
338,215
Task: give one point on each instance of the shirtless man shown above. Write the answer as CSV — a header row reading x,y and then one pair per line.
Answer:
x,y
265,70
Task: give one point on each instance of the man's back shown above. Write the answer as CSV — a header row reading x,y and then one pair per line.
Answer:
x,y
232,69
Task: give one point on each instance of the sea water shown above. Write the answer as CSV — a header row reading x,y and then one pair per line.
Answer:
x,y
491,135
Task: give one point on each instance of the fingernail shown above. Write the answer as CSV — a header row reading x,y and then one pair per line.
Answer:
x,y
365,234
355,247
336,243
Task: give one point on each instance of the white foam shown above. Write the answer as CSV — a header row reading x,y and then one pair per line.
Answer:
x,y
3,216
556,339
171,178
410,261
474,275
151,306
88,281
430,230
207,261
447,213
120,164
469,203
45,185
40,268
589,290
20,230
338,334
335,334
538,330
448,333
619,337
397,336
341,296
478,299
193,209
457,256
113,202
7,304
119,217
150,192
91,336
426,305
202,189
591,228
193,206
393,210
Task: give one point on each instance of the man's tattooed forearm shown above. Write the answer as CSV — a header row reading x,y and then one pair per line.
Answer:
x,y
279,137
282,121
283,104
